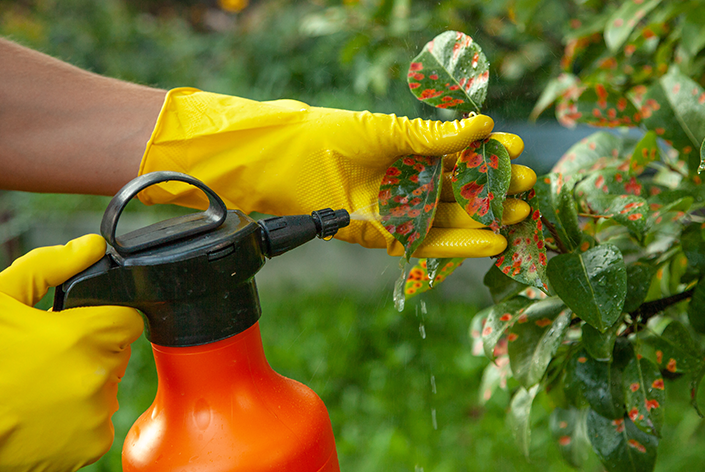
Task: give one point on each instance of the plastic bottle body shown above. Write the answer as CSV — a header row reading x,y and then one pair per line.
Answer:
x,y
221,407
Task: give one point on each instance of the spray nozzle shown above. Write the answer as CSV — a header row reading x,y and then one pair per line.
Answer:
x,y
283,233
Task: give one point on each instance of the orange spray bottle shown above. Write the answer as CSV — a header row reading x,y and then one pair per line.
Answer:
x,y
219,405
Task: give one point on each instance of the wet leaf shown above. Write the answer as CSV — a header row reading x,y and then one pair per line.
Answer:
x,y
596,105
692,32
476,325
694,247
499,318
501,287
600,345
639,276
646,152
645,394
597,151
534,337
676,350
594,383
620,445
593,284
419,278
568,430
696,308
408,197
519,417
695,381
525,260
555,88
481,179
555,194
623,21
450,72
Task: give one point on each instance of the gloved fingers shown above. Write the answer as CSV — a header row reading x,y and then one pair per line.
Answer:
x,y
523,178
455,242
452,215
380,139
29,277
107,328
511,142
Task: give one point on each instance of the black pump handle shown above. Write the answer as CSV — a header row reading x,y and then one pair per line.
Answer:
x,y
166,231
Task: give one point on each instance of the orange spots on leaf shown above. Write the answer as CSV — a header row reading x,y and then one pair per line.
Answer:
x,y
658,384
671,366
582,359
636,445
634,386
512,337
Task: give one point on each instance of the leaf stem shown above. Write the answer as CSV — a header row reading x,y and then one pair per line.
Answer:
x,y
592,215
561,249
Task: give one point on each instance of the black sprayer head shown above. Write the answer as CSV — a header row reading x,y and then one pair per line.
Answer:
x,y
192,276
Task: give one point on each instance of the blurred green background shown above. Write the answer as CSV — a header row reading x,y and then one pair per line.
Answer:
x,y
401,388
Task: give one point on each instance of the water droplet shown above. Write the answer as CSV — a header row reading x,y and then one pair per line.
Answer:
x,y
433,384
433,418
418,468
424,311
399,297
422,330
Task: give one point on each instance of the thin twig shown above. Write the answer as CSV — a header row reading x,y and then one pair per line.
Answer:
x,y
552,229
650,309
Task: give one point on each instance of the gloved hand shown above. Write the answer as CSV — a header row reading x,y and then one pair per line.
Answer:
x,y
58,371
285,157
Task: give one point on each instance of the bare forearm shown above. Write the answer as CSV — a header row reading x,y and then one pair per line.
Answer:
x,y
66,130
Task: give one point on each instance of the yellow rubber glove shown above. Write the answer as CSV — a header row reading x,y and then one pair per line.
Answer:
x,y
59,372
285,157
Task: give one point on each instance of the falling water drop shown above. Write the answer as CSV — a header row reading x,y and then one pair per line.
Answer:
x,y
424,311
422,330
433,418
399,297
418,468
433,384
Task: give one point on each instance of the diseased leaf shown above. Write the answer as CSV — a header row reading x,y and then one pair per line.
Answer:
x,y
525,260
695,381
555,194
593,284
519,417
450,72
620,445
676,350
493,377
408,198
501,287
568,430
481,179
499,318
476,325
600,345
534,337
623,21
597,151
555,88
645,394
597,105
694,247
594,383
645,152
674,108
420,276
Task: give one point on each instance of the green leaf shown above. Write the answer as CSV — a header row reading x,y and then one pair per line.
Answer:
x,y
450,72
645,394
501,287
600,345
554,89
597,151
568,429
493,377
676,350
499,318
701,166
525,260
674,100
534,337
695,381
519,417
645,152
408,197
620,445
425,271
481,179
593,284
694,247
692,32
597,105
639,276
594,383
696,308
555,196
623,21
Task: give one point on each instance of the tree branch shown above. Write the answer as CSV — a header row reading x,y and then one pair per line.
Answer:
x,y
552,229
653,308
